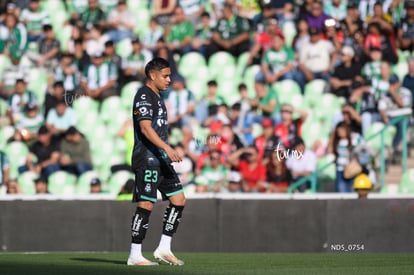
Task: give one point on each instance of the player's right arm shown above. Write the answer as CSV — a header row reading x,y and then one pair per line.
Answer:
x,y
151,135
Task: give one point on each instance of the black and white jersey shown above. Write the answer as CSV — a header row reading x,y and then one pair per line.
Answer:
x,y
148,105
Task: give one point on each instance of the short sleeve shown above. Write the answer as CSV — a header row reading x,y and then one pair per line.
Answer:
x,y
143,105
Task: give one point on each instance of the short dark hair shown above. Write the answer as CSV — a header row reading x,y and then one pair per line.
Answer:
x,y
212,83
156,64
242,86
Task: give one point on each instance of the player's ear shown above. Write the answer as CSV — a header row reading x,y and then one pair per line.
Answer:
x,y
152,75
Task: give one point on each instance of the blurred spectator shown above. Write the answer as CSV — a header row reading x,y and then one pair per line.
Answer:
x,y
334,34
16,70
252,170
34,19
212,142
75,154
127,191
179,33
371,69
290,129
76,34
184,168
213,175
151,36
193,9
60,118
380,17
277,62
344,74
317,59
277,174
305,9
180,103
55,94
20,97
267,142
229,141
99,78
41,185
13,187
231,34
380,37
266,102
95,40
397,9
163,10
96,186
242,125
336,9
262,41
408,81
316,18
121,22
134,64
352,23
13,37
302,37
263,18
44,154
68,74
30,122
80,56
234,183
92,15
207,107
163,51
192,147
49,50
301,162
341,146
126,132
111,56
203,34
4,168
406,28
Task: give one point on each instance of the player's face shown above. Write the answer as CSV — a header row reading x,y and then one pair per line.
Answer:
x,y
162,79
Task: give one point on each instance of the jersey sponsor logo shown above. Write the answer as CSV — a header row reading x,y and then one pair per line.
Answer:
x,y
143,110
143,97
161,122
142,103
147,188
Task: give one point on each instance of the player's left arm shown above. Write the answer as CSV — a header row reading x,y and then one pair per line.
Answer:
x,y
151,135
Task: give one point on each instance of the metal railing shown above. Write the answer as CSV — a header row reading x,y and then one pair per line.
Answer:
x,y
399,116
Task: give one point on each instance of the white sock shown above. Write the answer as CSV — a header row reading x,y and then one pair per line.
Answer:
x,y
135,251
165,243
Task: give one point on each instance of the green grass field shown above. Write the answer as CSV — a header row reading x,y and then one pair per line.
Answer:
x,y
209,263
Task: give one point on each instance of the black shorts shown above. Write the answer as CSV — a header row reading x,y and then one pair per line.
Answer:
x,y
149,179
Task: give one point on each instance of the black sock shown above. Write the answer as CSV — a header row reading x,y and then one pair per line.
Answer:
x,y
172,218
139,225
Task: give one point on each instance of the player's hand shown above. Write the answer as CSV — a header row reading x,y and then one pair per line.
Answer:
x,y
173,155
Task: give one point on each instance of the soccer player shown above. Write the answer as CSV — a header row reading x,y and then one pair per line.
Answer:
x,y
151,161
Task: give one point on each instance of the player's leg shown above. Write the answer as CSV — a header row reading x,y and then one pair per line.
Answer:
x,y
171,189
145,194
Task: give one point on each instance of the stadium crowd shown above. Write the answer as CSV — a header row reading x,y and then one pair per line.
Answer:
x,y
262,92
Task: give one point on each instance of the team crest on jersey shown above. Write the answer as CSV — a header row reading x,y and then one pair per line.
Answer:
x,y
147,188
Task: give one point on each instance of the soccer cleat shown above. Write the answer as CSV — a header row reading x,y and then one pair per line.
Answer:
x,y
167,257
140,262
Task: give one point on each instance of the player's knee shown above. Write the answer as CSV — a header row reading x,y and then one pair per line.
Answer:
x,y
178,200
146,205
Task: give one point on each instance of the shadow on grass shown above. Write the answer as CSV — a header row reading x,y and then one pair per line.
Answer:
x,y
96,260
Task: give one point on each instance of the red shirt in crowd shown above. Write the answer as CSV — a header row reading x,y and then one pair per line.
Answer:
x,y
252,176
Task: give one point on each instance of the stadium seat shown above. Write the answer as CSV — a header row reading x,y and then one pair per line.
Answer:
x,y
289,30
326,106
62,183
228,90
249,77
17,152
4,62
83,184
38,83
142,17
288,91
197,86
400,69
26,182
313,90
190,62
124,47
116,120
117,180
313,130
241,65
128,93
87,121
406,185
218,63
109,107
375,143
84,104
6,132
